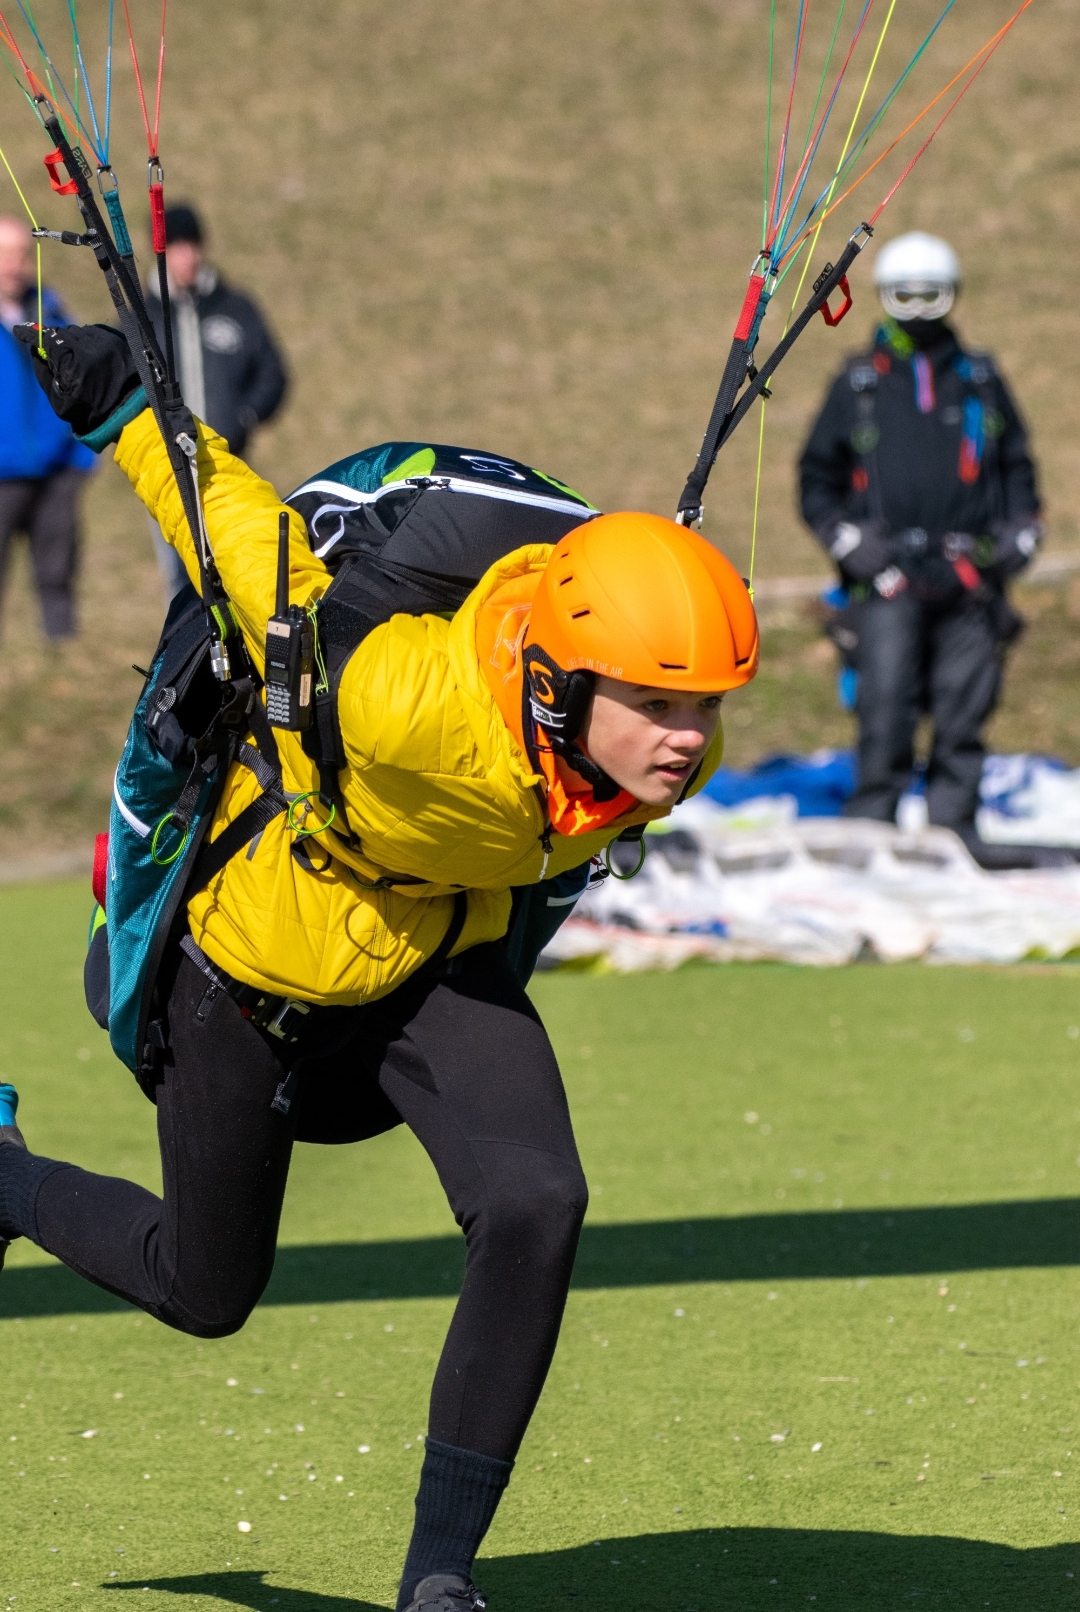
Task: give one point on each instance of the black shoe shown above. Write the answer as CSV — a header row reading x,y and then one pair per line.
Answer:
x,y
446,1592
1005,858
11,1136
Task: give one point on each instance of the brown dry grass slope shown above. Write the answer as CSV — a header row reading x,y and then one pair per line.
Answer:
x,y
527,227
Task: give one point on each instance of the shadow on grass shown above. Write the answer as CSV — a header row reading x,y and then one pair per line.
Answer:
x,y
749,1569
247,1589
779,1569
746,1248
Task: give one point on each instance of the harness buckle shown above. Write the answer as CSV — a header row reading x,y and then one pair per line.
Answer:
x,y
281,1023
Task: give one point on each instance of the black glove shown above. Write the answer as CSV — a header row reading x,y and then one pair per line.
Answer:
x,y
86,374
1015,543
862,549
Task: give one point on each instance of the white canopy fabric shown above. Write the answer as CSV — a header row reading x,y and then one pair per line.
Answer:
x,y
755,882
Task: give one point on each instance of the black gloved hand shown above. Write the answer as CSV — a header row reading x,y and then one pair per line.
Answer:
x,y
862,549
86,374
1015,543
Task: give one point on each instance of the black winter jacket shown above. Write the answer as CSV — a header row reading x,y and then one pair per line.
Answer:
x,y
244,378
930,440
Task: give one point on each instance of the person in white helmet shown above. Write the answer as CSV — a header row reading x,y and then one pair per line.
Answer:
x,y
918,483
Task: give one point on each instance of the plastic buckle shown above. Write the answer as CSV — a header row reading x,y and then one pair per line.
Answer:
x,y
281,1024
833,319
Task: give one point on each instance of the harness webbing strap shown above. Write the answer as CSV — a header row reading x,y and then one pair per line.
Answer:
x,y
240,832
265,762
214,855
453,932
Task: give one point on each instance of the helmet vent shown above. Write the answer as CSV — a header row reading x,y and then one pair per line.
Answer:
x,y
672,666
577,614
565,580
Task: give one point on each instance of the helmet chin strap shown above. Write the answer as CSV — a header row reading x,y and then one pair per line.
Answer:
x,y
603,786
557,703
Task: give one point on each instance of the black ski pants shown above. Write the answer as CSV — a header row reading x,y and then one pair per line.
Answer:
x,y
48,512
912,658
463,1059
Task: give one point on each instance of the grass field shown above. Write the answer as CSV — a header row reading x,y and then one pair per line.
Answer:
x,y
829,1273
526,225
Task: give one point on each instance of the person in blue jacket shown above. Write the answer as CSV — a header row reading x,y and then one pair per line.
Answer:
x,y
43,469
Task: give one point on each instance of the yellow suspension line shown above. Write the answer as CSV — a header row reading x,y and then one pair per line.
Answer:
x,y
757,497
843,154
809,258
37,245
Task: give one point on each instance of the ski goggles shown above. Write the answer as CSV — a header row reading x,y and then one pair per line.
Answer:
x,y
917,299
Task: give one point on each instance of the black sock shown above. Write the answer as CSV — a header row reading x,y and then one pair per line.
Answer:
x,y
21,1175
458,1495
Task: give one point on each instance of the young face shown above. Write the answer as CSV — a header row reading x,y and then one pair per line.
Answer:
x,y
184,260
16,259
649,739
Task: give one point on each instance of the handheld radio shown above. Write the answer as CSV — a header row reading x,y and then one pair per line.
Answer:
x,y
290,643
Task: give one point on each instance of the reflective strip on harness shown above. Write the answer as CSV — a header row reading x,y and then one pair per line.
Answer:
x,y
141,829
507,495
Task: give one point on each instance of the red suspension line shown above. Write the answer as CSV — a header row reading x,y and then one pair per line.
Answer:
x,y
782,156
151,134
13,45
37,87
875,215
808,155
986,51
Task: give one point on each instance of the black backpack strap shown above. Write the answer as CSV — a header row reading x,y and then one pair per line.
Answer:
x,y
263,734
346,613
262,811
453,932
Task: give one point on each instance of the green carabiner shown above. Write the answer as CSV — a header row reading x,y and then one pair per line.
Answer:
x,y
306,798
615,874
166,861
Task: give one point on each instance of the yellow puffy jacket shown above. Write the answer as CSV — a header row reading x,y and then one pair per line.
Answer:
x,y
436,788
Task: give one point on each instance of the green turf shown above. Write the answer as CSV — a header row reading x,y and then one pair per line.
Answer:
x,y
828,1208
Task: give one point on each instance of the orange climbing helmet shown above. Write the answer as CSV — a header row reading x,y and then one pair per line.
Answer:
x,y
641,599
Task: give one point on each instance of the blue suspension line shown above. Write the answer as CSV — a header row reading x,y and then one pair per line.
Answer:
x,y
868,132
80,71
789,213
787,121
108,87
52,73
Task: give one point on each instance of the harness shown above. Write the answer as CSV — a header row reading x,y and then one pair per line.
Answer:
x,y
979,452
412,537
407,528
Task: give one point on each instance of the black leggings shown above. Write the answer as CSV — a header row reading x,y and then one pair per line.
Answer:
x,y
463,1059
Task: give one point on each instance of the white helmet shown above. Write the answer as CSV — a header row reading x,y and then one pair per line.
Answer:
x,y
917,276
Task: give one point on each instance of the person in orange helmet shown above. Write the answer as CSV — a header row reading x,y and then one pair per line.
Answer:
x,y
574,693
